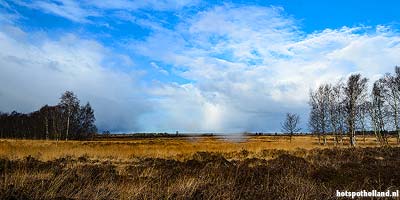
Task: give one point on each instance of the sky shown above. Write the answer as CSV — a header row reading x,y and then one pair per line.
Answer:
x,y
190,65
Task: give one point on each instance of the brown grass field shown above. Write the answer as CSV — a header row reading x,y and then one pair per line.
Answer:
x,y
245,167
165,147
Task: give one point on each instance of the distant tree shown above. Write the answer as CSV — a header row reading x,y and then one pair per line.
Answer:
x,y
355,95
290,125
87,128
106,133
57,121
49,122
69,104
3,117
45,112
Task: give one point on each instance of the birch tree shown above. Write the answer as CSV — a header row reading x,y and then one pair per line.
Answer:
x,y
391,94
355,95
336,112
377,111
320,110
70,107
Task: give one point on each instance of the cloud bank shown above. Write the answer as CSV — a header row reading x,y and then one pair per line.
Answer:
x,y
36,71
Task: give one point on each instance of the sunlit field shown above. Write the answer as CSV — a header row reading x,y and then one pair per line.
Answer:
x,y
168,147
218,167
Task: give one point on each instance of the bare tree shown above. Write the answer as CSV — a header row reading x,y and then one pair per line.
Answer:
x,y
397,87
291,124
320,110
44,111
362,117
70,106
355,95
87,128
313,120
391,94
377,111
50,122
336,111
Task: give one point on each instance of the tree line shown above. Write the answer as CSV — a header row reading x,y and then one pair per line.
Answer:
x,y
66,120
350,108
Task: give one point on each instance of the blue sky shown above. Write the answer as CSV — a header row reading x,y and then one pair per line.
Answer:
x,y
193,66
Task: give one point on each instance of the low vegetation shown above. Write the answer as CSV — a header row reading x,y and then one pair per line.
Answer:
x,y
167,147
200,168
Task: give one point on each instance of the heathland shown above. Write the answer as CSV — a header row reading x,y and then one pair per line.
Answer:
x,y
212,167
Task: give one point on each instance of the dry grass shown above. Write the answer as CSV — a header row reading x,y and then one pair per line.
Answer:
x,y
262,167
170,148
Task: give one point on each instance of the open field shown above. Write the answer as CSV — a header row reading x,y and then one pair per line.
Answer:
x,y
165,147
255,167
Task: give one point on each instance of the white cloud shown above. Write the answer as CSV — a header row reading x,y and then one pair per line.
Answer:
x,y
250,65
245,66
80,11
69,9
158,68
7,13
35,71
138,4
